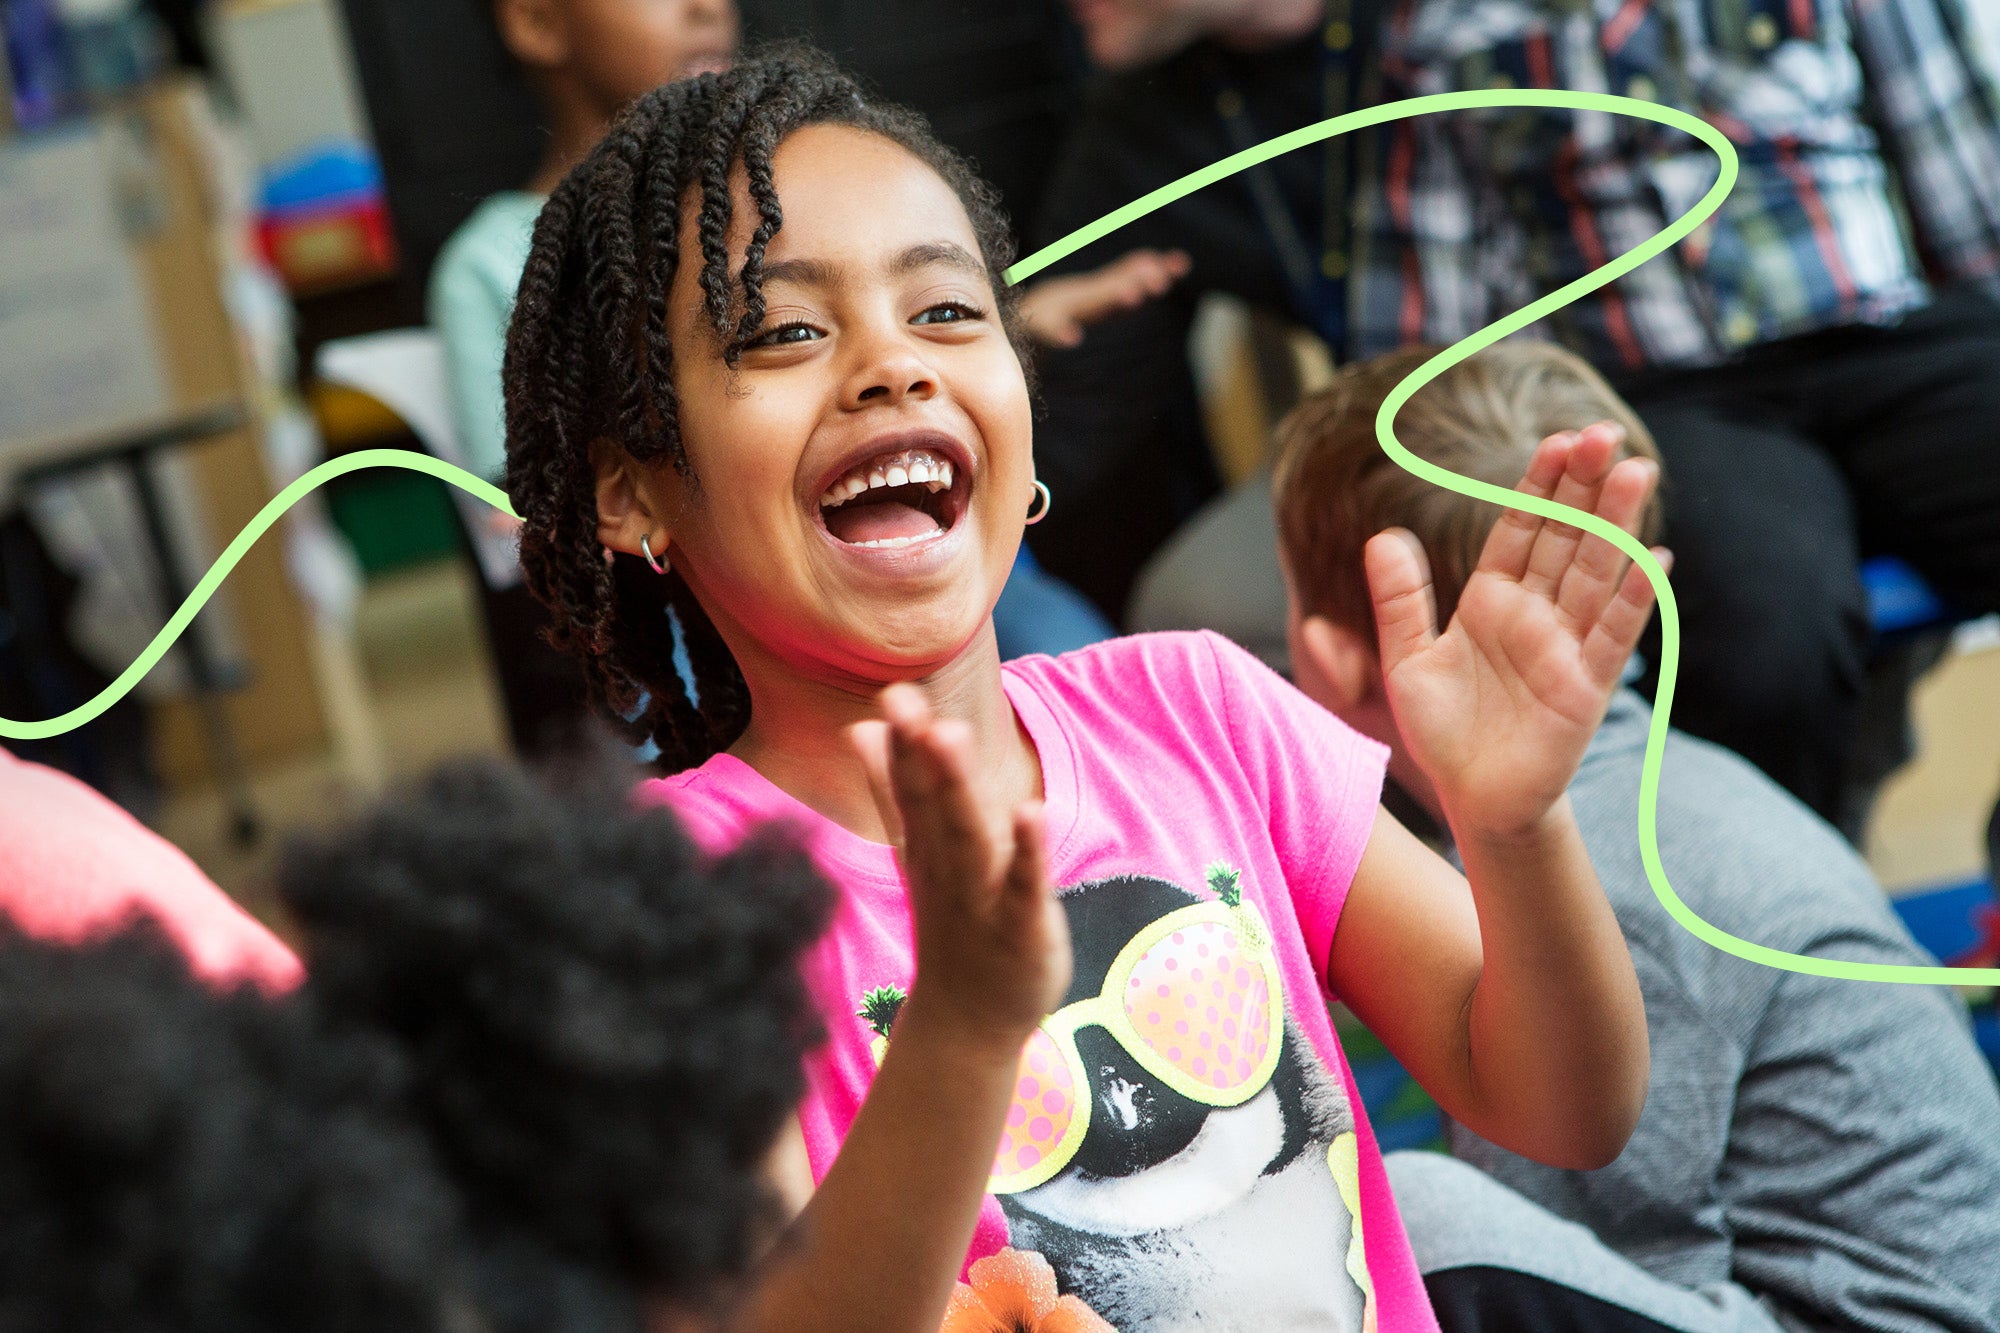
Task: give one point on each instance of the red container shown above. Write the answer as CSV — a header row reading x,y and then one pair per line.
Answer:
x,y
332,244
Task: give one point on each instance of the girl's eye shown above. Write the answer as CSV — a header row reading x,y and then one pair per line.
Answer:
x,y
784,335
948,312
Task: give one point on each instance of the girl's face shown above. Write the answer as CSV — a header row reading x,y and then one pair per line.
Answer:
x,y
863,473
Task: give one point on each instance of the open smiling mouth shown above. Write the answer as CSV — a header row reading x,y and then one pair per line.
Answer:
x,y
901,498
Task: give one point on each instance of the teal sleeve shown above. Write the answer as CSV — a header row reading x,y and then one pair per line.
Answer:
x,y
470,310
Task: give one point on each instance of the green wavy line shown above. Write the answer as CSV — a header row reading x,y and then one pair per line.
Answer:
x,y
226,563
1649,783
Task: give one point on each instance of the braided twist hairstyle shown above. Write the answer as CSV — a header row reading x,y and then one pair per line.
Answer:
x,y
589,359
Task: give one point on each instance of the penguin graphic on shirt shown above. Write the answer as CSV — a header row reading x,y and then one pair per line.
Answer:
x,y
1234,1208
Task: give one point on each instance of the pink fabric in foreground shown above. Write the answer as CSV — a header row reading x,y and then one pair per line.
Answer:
x,y
73,866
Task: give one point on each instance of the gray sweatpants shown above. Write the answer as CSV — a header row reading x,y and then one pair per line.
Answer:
x,y
1457,1216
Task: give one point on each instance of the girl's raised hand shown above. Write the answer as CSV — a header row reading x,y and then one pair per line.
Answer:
x,y
993,953
1498,709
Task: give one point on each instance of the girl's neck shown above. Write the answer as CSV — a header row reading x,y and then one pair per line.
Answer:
x,y
798,737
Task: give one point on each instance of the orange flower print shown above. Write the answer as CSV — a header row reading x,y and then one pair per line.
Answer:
x,y
1014,1291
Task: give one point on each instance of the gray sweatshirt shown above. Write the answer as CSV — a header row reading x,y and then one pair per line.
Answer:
x,y
1831,1145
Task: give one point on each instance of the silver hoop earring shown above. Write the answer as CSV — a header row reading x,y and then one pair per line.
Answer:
x,y
646,545
1042,492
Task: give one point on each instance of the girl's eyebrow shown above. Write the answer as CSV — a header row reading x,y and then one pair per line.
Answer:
x,y
819,273
802,272
936,252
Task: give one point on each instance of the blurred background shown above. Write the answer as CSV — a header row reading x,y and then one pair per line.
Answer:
x,y
201,200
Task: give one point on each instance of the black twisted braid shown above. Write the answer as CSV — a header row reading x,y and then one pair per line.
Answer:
x,y
589,358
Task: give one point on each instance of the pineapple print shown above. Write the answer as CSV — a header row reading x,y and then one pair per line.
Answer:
x,y
879,1008
1226,882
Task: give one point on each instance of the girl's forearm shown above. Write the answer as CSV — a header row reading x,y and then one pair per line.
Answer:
x,y
1555,1027
881,1244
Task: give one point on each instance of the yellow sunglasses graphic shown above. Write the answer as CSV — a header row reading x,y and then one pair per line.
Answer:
x,y
1194,997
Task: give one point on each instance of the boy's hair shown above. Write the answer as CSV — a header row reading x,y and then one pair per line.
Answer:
x,y
1335,487
589,358
532,1079
604,1027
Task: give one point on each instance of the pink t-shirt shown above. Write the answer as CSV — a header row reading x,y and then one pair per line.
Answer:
x,y
73,865
1186,1134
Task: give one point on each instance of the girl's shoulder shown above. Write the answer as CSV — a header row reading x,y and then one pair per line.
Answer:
x,y
718,802
1171,650
1187,689
1179,667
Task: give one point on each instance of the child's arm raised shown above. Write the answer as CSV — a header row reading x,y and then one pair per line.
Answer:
x,y
1515,1004
880,1245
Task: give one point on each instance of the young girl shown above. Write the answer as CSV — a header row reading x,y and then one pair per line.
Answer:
x,y
762,386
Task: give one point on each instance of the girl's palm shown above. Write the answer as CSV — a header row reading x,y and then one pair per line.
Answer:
x,y
992,939
1497,710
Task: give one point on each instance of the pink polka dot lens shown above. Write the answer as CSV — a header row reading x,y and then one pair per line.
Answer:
x,y
1194,998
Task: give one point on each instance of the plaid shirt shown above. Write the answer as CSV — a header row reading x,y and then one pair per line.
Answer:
x,y
1869,138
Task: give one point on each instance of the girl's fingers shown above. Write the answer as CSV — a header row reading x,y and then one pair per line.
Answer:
x,y
1610,643
916,773
1399,580
944,832
1582,481
1594,576
1028,900
1513,536
951,844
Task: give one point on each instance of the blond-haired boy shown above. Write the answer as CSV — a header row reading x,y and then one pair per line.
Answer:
x,y
1813,1152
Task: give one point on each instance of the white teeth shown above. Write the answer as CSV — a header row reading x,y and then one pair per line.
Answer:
x,y
901,541
910,469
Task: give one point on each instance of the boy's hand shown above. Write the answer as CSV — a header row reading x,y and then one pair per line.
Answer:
x,y
1057,310
1498,709
993,953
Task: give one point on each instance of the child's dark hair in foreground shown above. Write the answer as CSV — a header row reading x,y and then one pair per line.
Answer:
x,y
543,1056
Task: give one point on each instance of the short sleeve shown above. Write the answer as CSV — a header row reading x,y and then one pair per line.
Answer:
x,y
1318,779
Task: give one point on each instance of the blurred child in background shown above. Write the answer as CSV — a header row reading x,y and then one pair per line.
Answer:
x,y
1813,1152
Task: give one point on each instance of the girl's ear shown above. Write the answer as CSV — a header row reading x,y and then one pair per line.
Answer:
x,y
624,512
534,32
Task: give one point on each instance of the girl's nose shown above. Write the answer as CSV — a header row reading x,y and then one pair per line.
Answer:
x,y
891,372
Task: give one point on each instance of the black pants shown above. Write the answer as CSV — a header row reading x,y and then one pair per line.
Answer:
x,y
1783,472
1505,1300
